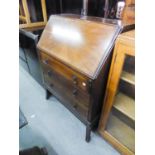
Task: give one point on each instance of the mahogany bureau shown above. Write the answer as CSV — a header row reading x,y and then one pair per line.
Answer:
x,y
75,56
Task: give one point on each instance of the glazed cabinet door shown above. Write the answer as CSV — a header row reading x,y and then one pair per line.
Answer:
x,y
117,124
121,121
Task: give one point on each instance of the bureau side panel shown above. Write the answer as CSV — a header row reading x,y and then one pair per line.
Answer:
x,y
98,91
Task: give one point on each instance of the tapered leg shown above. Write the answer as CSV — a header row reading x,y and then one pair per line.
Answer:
x,y
88,132
48,94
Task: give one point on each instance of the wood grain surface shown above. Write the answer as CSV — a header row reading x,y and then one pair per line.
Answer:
x,y
81,44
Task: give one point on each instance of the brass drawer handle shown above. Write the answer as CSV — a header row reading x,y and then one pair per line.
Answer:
x,y
74,77
75,82
46,61
75,92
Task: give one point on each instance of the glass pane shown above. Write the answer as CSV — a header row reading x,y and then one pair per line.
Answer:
x,y
121,131
121,123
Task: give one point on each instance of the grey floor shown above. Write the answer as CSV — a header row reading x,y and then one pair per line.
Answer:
x,y
51,125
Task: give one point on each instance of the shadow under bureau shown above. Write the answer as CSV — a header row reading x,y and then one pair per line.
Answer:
x,y
75,56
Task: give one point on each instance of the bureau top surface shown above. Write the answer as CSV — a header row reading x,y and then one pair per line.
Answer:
x,y
127,38
129,34
81,44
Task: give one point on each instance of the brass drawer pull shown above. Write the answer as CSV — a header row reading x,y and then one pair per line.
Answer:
x,y
75,82
75,92
74,78
46,61
83,84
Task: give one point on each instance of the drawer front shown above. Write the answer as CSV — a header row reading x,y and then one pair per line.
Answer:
x,y
65,91
73,77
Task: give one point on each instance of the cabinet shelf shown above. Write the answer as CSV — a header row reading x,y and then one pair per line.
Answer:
x,y
122,132
117,124
128,77
125,105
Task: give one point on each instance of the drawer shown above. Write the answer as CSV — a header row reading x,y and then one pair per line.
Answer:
x,y
73,77
61,88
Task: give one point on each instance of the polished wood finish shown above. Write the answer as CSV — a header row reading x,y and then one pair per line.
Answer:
x,y
75,55
71,75
126,26
83,52
116,102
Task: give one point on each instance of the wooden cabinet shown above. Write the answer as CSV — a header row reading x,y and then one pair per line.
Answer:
x,y
75,55
129,2
117,123
129,12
